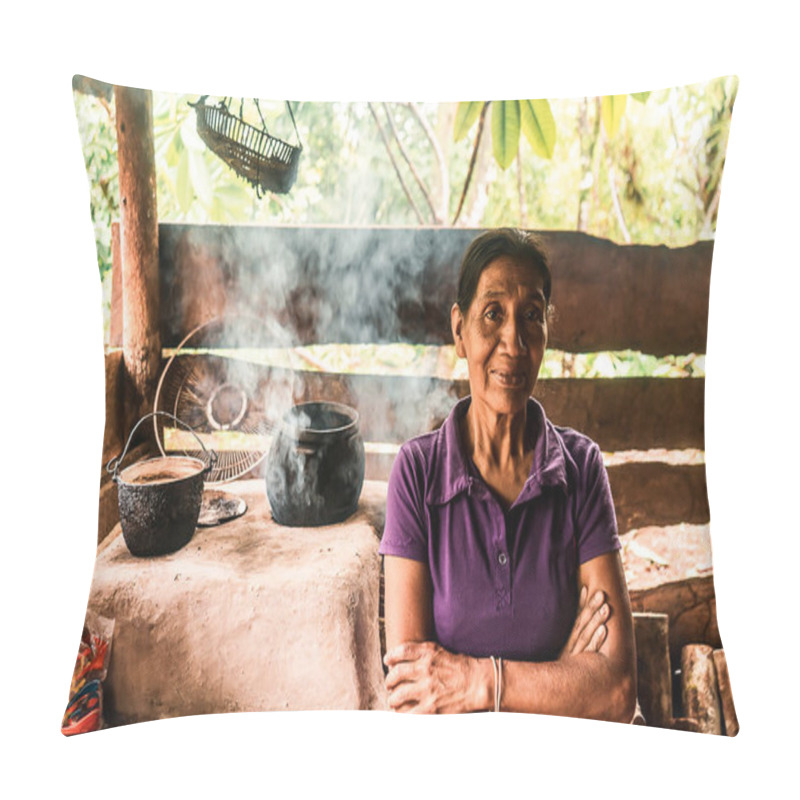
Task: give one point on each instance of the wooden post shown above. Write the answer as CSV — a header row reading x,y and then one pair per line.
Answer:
x,y
141,340
115,323
699,688
725,695
653,668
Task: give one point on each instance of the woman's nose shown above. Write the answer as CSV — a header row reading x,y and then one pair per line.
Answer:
x,y
513,338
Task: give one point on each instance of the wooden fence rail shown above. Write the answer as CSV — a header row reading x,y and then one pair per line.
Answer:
x,y
340,285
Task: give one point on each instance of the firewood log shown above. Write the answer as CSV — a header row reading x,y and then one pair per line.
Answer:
x,y
726,697
684,724
699,690
653,667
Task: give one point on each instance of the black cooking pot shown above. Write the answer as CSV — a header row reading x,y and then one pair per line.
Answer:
x,y
315,467
160,498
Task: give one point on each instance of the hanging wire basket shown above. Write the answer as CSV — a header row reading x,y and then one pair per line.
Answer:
x,y
269,164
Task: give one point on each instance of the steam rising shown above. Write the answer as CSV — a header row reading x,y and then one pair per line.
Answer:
x,y
277,288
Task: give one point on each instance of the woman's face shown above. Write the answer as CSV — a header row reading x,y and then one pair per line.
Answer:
x,y
503,335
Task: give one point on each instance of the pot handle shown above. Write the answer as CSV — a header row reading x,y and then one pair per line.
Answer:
x,y
114,464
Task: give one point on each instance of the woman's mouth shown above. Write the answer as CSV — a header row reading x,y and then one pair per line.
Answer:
x,y
510,379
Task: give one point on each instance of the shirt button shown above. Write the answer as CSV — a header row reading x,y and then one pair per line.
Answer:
x,y
502,558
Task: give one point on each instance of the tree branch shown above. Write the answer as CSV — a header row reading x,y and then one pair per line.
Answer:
x,y
615,199
588,186
523,205
712,209
612,185
481,123
440,160
394,164
411,166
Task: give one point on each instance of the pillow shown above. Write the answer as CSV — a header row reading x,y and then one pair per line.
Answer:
x,y
259,255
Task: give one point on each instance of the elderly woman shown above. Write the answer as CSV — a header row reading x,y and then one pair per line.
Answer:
x,y
504,585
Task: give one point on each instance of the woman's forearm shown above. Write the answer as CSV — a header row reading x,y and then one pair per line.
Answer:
x,y
594,678
586,685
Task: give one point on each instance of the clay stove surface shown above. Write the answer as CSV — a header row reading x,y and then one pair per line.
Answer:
x,y
248,616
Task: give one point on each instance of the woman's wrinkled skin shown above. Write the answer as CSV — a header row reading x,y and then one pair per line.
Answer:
x,y
426,670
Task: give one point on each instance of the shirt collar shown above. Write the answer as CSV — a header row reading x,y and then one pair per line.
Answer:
x,y
452,475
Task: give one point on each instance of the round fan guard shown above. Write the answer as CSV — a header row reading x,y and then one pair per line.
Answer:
x,y
205,385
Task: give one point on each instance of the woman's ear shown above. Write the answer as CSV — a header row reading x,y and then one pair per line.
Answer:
x,y
456,324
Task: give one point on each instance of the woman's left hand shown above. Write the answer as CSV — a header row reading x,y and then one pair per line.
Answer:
x,y
424,678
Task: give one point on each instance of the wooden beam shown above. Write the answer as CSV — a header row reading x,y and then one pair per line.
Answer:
x,y
618,413
629,413
84,85
393,284
138,247
658,494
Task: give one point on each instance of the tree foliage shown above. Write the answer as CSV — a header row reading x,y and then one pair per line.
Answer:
x,y
647,171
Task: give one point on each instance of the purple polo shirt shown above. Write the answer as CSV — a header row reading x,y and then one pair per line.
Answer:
x,y
505,583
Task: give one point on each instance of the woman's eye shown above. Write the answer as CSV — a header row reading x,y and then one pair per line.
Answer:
x,y
492,315
534,315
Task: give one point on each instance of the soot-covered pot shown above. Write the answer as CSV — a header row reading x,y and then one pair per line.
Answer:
x,y
159,498
315,467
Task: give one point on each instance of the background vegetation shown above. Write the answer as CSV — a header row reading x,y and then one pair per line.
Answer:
x,y
644,168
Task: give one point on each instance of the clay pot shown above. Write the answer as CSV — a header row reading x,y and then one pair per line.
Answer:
x,y
315,467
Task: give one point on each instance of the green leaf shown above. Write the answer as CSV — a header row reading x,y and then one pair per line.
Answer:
x,y
612,107
173,152
505,131
183,186
466,114
640,96
538,126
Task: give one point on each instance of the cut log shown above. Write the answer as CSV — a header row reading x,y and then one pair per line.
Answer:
x,y
685,724
668,571
699,690
653,668
725,696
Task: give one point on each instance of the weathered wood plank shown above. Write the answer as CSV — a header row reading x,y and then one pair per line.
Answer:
x,y
329,285
658,494
629,413
618,413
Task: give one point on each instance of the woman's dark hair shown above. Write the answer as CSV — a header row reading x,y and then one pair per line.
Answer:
x,y
520,245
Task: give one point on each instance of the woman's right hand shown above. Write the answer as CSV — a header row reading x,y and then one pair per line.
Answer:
x,y
589,631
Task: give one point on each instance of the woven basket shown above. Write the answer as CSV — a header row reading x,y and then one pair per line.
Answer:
x,y
267,163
